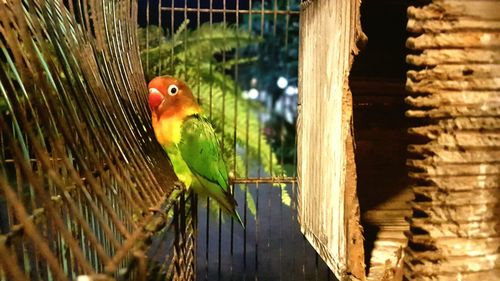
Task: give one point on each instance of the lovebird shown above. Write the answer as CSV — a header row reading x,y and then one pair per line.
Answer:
x,y
190,141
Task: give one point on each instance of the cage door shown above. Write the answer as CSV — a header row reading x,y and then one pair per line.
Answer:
x,y
328,205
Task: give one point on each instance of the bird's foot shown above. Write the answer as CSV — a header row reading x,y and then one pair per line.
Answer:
x,y
178,185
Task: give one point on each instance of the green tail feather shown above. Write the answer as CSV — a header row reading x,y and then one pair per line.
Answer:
x,y
225,200
236,216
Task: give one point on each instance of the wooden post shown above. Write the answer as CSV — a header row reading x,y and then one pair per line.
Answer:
x,y
328,205
455,90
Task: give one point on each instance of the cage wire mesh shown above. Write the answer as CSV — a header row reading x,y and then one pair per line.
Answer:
x,y
86,189
241,60
79,168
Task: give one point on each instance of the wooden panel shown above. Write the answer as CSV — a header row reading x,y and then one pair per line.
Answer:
x,y
328,206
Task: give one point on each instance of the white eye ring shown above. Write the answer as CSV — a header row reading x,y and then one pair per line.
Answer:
x,y
172,90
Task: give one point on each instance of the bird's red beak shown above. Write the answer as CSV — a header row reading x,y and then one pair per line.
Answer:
x,y
155,98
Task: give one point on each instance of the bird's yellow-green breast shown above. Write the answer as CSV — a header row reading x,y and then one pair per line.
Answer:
x,y
168,127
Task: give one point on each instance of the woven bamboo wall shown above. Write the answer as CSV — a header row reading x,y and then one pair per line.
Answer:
x,y
454,90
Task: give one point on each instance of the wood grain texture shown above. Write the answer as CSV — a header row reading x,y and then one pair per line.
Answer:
x,y
454,228
328,206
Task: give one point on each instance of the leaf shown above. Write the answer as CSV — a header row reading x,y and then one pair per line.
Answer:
x,y
250,202
285,197
193,55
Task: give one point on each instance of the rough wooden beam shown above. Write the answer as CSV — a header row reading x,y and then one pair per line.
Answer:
x,y
432,57
452,9
439,25
328,205
455,227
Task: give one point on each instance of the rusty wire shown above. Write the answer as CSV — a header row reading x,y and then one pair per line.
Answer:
x,y
79,168
84,181
225,250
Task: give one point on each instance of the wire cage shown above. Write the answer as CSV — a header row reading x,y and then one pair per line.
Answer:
x,y
82,188
241,60
86,192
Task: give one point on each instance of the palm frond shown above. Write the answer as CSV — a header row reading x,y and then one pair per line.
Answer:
x,y
193,53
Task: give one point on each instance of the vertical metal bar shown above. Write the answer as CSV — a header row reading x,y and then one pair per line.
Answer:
x,y
235,132
210,62
275,14
259,149
147,35
185,41
194,224
210,115
172,37
163,32
219,240
247,160
207,239
198,77
223,134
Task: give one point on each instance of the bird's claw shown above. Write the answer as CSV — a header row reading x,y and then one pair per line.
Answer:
x,y
178,185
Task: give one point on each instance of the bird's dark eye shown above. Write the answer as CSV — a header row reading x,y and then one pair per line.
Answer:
x,y
173,90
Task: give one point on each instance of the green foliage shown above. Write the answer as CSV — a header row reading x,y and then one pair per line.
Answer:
x,y
278,56
203,58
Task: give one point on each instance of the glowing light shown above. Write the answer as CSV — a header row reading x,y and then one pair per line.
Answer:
x,y
282,82
253,82
253,94
291,90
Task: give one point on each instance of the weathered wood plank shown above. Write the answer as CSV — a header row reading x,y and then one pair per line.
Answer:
x,y
328,208
445,111
453,9
455,39
435,98
463,182
427,267
432,57
443,155
429,84
473,229
454,276
460,24
474,196
456,72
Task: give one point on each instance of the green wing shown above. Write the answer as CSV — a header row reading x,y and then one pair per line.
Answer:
x,y
201,151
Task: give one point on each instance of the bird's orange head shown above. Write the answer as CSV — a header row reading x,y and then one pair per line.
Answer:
x,y
169,96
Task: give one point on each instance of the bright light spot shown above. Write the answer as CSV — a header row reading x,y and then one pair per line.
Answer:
x,y
291,90
253,82
282,82
253,94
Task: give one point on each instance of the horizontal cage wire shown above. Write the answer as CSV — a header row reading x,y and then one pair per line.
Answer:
x,y
240,59
83,188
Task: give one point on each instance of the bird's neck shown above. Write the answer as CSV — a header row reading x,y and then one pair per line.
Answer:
x,y
168,124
